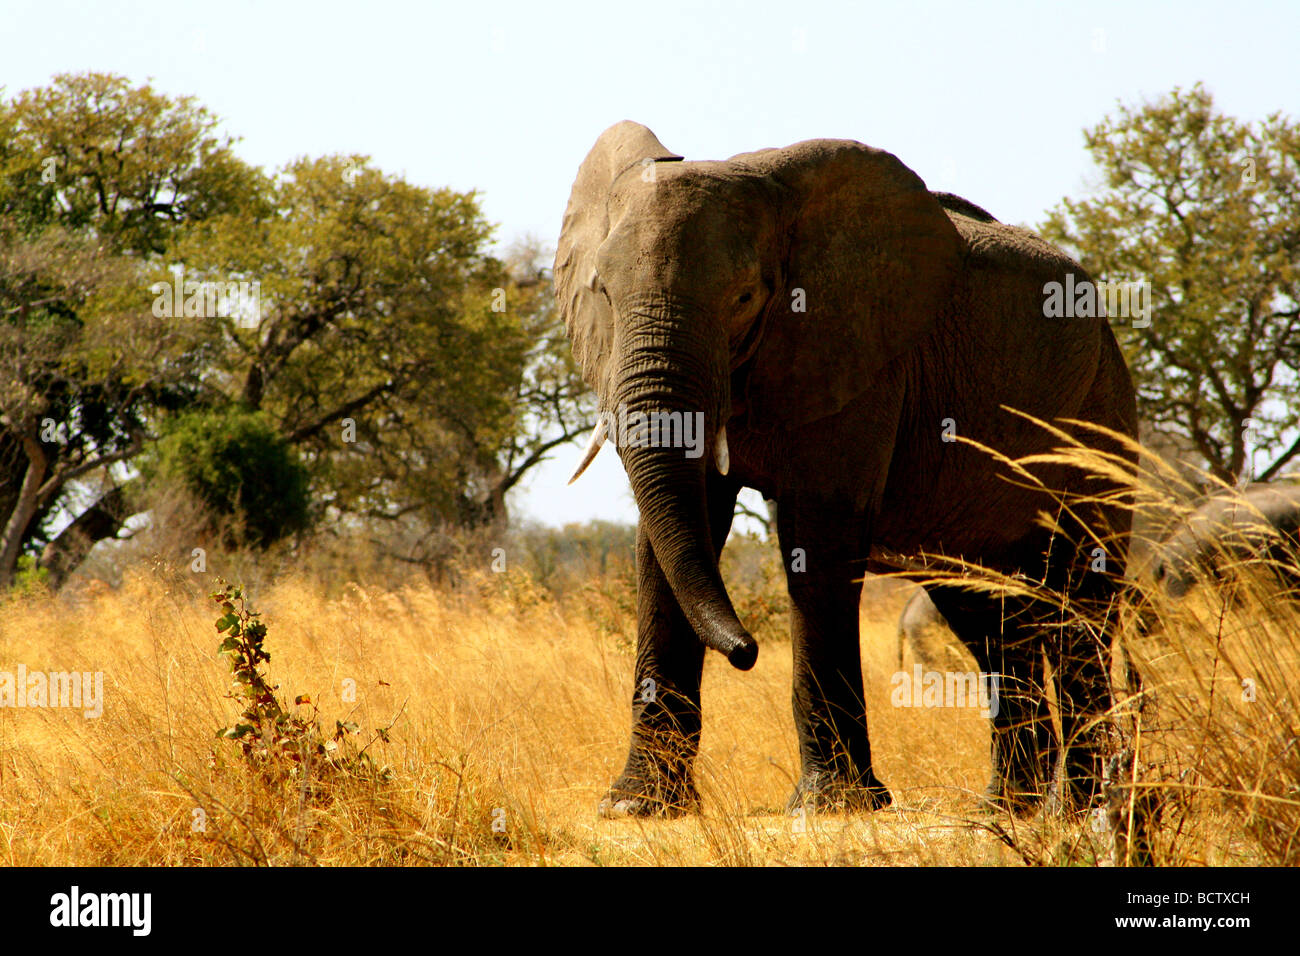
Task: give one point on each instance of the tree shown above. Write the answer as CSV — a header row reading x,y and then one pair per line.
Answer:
x,y
418,375
552,404
1206,209
241,469
145,270
90,151
96,178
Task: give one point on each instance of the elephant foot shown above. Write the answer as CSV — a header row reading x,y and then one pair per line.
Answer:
x,y
1011,796
1025,772
1077,784
822,791
1067,792
1076,796
640,797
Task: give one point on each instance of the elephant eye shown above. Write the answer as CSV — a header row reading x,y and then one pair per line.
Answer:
x,y
746,297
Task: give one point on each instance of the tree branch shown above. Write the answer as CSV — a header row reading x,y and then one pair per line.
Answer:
x,y
362,400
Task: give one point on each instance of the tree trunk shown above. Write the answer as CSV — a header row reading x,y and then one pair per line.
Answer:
x,y
11,540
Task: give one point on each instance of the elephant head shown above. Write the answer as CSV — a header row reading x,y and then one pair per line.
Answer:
x,y
725,289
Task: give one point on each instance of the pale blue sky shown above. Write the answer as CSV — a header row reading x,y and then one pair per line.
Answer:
x,y
987,100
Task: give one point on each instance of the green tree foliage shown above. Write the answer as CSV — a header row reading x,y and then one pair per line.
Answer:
x,y
419,376
91,151
95,178
1207,210
239,466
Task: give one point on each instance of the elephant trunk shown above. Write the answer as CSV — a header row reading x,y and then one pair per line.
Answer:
x,y
668,369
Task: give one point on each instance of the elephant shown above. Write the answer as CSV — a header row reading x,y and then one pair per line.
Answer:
x,y
923,629
813,323
1262,519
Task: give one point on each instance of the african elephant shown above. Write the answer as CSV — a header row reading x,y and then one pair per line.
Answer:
x,y
922,629
813,323
1263,519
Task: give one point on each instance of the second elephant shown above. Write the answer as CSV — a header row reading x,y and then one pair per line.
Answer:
x,y
923,631
1262,520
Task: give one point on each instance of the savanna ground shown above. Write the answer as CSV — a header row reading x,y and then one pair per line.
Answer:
x,y
506,715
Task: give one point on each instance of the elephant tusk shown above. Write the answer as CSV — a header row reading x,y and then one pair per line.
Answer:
x,y
721,454
593,446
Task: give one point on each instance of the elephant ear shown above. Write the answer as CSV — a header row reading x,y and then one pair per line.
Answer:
x,y
588,317
872,261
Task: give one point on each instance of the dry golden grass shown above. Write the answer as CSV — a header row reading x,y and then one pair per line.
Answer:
x,y
505,706
1222,723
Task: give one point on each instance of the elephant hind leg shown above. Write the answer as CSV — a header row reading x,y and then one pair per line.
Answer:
x,y
1004,638
1080,655
1083,682
829,705
1023,742
827,696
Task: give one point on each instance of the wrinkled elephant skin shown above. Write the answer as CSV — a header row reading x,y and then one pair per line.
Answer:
x,y
830,325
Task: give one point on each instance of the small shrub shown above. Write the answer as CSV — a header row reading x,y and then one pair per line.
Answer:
x,y
276,740
242,471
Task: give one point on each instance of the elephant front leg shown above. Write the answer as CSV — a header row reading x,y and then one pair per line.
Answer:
x,y
657,779
829,707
